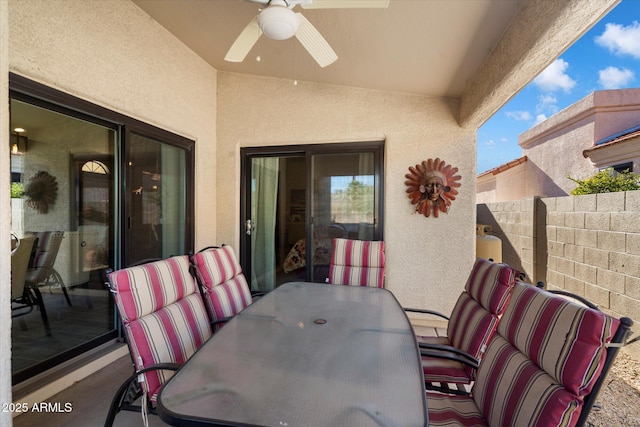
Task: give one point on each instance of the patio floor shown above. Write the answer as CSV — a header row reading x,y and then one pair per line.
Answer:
x,y
89,399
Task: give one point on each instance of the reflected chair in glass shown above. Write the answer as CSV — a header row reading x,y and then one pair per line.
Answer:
x,y
164,321
223,285
470,326
544,366
357,263
42,273
24,297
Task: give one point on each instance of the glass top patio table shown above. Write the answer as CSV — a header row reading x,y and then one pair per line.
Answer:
x,y
305,354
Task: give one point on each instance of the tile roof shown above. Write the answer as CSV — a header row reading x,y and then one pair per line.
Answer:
x,y
504,167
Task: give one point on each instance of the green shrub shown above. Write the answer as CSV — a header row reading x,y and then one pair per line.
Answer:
x,y
606,181
16,190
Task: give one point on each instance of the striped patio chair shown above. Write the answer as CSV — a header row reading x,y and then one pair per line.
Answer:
x,y
41,272
25,297
544,367
164,321
223,285
470,326
357,263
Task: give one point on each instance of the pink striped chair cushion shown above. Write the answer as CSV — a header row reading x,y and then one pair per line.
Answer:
x,y
437,370
357,263
452,411
512,391
470,328
163,315
537,368
226,291
569,342
490,284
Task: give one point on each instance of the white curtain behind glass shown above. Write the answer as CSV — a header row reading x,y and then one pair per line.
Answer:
x,y
264,174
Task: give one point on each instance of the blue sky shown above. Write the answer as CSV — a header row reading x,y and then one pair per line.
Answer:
x,y
606,57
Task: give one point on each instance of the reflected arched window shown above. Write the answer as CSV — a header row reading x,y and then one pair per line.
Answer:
x,y
94,166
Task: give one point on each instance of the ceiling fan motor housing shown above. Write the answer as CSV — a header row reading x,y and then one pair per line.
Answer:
x,y
278,22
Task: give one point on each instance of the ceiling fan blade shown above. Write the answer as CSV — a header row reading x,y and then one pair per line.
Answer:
x,y
345,4
315,44
245,41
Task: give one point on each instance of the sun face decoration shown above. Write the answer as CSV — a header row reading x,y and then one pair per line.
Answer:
x,y
42,192
431,186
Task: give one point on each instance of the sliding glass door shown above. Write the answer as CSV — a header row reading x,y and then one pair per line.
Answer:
x,y
295,200
155,199
63,207
344,203
91,190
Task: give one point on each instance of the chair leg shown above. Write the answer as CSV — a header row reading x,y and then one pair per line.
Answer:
x,y
66,295
119,399
43,311
58,279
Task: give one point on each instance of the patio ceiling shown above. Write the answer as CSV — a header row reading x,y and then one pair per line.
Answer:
x,y
426,47
423,47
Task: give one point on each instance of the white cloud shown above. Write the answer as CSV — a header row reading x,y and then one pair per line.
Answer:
x,y
490,144
554,77
615,78
519,115
547,104
540,118
621,40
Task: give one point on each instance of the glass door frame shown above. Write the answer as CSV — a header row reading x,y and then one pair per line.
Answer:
x,y
308,151
164,137
40,95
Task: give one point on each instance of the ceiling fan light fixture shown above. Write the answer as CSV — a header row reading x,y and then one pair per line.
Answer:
x,y
278,22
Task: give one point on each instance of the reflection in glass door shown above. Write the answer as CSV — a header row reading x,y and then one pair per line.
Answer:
x,y
343,204
91,189
297,199
60,306
156,200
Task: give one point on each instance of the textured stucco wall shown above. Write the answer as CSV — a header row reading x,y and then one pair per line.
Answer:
x,y
540,31
619,110
112,54
547,170
512,184
554,147
5,219
428,259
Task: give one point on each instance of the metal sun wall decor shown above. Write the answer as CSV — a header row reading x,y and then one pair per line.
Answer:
x,y
42,192
431,186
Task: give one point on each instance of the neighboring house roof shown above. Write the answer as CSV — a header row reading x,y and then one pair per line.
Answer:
x,y
504,167
618,138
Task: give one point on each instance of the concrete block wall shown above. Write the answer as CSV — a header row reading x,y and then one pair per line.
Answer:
x,y
588,245
514,223
593,249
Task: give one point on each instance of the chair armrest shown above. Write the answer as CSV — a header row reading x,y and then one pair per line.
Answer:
x,y
448,348
448,352
209,247
424,311
220,322
159,367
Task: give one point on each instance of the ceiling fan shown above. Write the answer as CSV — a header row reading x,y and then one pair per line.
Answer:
x,y
279,22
